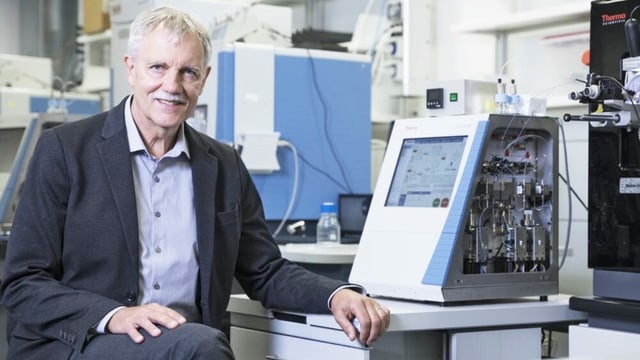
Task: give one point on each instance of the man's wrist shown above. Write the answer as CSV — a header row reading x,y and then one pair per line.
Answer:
x,y
101,328
354,287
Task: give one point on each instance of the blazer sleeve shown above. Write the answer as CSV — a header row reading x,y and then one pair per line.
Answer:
x,y
33,290
264,274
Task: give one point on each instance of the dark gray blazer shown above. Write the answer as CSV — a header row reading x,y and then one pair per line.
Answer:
x,y
73,251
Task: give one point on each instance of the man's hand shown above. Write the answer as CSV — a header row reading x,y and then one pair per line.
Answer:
x,y
129,320
374,318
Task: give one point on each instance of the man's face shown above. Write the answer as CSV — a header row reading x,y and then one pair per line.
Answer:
x,y
167,77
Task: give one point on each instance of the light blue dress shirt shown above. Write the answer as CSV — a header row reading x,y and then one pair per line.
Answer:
x,y
168,273
166,224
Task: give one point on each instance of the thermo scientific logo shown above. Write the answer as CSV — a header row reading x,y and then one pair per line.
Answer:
x,y
613,19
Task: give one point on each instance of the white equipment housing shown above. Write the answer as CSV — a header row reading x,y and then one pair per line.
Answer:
x,y
463,210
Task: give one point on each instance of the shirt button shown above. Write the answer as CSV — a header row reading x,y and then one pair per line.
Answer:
x,y
156,286
157,214
156,178
158,250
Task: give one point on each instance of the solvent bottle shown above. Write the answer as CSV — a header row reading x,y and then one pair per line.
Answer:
x,y
328,228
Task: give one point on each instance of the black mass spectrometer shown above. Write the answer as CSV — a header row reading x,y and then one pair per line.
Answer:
x,y
612,92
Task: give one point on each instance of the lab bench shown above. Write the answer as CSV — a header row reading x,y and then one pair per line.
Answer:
x,y
505,329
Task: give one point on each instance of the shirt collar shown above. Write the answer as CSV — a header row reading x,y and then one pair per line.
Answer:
x,y
135,141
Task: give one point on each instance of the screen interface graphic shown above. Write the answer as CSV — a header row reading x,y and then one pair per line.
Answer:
x,y
426,171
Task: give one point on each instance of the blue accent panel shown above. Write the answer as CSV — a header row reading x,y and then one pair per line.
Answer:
x,y
225,98
308,92
440,261
40,104
19,163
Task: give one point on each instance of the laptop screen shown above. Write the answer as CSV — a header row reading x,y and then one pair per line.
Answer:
x,y
352,212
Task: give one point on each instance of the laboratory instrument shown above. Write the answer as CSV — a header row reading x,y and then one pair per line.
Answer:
x,y
464,209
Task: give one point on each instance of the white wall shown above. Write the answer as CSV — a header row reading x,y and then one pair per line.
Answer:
x,y
339,14
9,25
465,55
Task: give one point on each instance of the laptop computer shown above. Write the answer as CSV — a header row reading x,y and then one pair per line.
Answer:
x,y
352,213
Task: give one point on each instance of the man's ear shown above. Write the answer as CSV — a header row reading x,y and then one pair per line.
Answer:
x,y
129,65
207,71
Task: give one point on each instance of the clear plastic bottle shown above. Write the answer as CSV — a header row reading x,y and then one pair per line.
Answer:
x,y
328,228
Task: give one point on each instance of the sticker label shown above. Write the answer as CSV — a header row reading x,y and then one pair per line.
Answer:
x,y
630,185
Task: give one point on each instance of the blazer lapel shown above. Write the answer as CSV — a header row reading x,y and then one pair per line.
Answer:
x,y
204,169
116,159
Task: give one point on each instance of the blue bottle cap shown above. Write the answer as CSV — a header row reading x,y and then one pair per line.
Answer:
x,y
328,207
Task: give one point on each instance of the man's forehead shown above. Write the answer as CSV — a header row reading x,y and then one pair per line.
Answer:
x,y
158,41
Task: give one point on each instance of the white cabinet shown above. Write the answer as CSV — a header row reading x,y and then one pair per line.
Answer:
x,y
541,47
575,12
253,345
587,342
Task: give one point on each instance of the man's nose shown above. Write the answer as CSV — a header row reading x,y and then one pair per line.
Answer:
x,y
172,82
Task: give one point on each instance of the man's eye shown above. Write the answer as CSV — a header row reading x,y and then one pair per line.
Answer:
x,y
191,73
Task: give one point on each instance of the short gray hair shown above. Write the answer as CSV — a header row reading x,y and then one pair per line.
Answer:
x,y
177,22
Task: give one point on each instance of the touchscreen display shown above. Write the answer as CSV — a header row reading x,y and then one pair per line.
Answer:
x,y
426,171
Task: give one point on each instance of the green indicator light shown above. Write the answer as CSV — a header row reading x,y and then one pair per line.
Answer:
x,y
453,97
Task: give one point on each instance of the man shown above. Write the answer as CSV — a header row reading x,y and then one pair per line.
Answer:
x,y
132,226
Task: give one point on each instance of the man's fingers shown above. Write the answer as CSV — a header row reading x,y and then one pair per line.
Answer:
x,y
151,328
386,315
165,316
132,319
374,322
373,317
135,335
